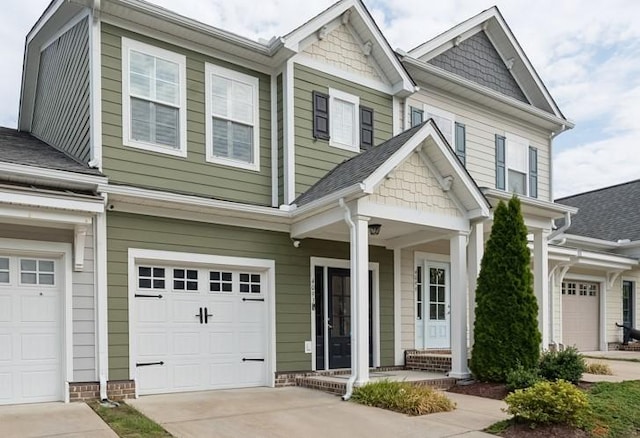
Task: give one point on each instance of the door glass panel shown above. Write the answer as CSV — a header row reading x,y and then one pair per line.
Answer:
x,y
419,293
437,294
627,303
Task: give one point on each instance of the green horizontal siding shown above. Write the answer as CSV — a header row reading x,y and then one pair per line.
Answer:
x,y
193,174
314,158
293,302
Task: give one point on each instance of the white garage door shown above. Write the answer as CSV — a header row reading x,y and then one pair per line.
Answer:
x,y
199,328
30,330
580,314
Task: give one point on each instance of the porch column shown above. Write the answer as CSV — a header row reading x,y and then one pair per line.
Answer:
x,y
458,253
475,253
540,281
360,295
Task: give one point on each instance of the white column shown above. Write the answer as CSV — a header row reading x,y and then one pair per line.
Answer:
x,y
475,253
101,302
458,253
360,327
541,282
397,306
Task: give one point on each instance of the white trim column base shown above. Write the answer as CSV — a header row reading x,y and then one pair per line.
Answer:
x,y
459,352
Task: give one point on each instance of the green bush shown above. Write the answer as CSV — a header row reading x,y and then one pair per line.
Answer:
x,y
506,325
557,402
521,378
566,365
402,397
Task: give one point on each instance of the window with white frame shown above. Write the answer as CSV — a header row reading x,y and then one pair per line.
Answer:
x,y
443,119
517,164
344,120
232,118
4,270
154,98
34,271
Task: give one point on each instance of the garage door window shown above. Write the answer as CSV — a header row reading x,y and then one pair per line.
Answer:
x,y
39,272
569,288
4,270
220,281
151,277
185,279
250,283
580,289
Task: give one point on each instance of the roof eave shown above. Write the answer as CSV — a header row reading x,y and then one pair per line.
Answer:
x,y
541,208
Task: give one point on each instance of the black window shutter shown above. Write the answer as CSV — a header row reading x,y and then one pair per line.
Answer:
x,y
500,162
461,143
533,172
320,116
366,128
417,116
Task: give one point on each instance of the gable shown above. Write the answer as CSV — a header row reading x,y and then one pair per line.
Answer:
x,y
340,49
413,185
477,60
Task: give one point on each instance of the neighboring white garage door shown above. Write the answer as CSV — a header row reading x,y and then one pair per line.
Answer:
x,y
199,328
580,314
30,330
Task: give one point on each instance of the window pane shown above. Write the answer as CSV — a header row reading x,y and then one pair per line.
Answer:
x,y
45,266
140,120
220,137
167,71
141,64
46,279
517,182
4,263
242,143
166,126
29,278
178,273
192,275
140,85
144,283
167,92
342,122
158,272
433,295
232,140
242,102
144,272
220,91
28,265
4,277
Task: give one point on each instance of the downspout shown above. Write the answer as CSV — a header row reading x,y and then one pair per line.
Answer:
x,y
562,229
551,137
354,315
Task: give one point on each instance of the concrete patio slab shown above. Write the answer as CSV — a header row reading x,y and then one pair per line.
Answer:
x,y
286,412
74,420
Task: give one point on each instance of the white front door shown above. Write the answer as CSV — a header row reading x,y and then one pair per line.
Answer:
x,y
30,329
433,323
199,328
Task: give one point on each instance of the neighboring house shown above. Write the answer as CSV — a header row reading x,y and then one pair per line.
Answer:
x,y
254,210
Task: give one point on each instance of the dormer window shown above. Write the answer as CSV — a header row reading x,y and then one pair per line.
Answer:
x,y
154,98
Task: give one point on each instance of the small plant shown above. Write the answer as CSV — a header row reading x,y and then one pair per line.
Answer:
x,y
403,397
566,365
598,368
557,402
521,378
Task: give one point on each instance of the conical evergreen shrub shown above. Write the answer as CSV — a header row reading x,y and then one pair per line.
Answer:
x,y
506,327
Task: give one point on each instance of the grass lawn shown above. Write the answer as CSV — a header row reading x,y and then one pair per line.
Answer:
x,y
128,422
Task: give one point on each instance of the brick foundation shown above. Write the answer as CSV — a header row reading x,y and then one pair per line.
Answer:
x,y
290,378
121,389
438,361
84,391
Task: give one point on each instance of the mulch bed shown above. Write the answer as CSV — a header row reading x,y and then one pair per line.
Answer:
x,y
496,391
524,430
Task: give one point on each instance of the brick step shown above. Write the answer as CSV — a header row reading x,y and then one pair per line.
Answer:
x,y
428,360
332,386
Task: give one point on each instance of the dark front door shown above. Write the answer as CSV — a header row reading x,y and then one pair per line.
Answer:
x,y
339,318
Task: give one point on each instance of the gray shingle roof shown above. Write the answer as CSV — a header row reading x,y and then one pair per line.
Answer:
x,y
356,169
610,213
22,148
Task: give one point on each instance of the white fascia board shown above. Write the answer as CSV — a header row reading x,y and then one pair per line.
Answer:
x,y
600,243
191,200
451,34
292,40
312,208
544,208
592,258
488,92
43,175
51,200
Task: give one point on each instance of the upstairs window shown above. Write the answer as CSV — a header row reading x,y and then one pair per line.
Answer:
x,y
233,130
416,116
339,118
154,98
516,165
443,120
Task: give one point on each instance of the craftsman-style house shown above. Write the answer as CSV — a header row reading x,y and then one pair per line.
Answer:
x,y
184,208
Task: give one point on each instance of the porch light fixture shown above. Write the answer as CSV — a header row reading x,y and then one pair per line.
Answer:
x,y
374,229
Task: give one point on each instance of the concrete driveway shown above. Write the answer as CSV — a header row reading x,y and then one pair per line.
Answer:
x,y
74,420
287,412
622,369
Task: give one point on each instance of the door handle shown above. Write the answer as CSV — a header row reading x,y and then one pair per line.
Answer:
x,y
199,315
206,315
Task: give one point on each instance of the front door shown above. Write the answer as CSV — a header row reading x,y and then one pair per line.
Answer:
x,y
437,308
338,321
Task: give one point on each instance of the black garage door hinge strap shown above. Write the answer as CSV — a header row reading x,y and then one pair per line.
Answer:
x,y
148,364
253,299
244,359
147,296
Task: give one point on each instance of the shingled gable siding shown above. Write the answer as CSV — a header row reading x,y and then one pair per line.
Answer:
x,y
61,110
293,306
314,158
192,175
482,125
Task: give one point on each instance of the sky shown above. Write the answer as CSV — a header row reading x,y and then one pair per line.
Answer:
x,y
587,52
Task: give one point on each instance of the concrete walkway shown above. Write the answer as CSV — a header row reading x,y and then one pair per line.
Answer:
x,y
74,420
287,412
622,370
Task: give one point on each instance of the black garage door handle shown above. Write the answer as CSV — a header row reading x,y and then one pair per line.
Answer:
x,y
148,364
